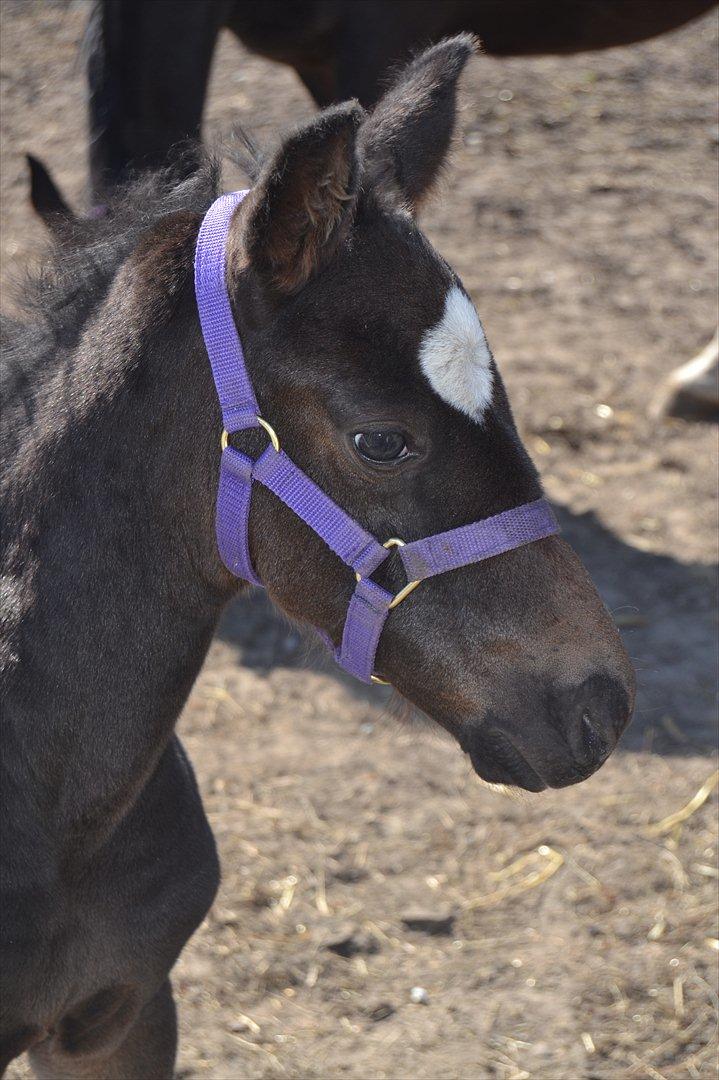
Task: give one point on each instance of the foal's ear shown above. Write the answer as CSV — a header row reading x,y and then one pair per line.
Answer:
x,y
303,203
406,139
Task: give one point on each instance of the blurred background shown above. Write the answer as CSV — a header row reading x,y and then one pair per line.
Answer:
x,y
382,914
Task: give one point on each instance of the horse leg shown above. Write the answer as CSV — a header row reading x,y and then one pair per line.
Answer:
x,y
147,1051
147,70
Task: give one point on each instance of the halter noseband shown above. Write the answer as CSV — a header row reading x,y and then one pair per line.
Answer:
x,y
370,603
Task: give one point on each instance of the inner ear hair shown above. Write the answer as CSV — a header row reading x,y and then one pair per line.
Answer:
x,y
302,206
406,139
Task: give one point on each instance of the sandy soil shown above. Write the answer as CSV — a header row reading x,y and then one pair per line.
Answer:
x,y
566,937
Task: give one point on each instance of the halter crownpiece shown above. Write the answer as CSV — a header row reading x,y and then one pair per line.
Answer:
x,y
370,603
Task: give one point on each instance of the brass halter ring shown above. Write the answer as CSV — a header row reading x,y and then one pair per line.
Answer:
x,y
404,592
225,437
394,541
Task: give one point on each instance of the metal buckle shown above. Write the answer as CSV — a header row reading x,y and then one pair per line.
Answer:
x,y
404,592
224,438
394,541
270,431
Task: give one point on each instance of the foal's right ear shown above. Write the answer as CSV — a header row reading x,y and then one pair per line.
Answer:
x,y
303,203
406,139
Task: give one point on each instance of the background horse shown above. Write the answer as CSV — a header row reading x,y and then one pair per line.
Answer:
x,y
148,63
148,66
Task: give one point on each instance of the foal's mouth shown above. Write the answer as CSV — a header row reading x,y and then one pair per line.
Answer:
x,y
498,761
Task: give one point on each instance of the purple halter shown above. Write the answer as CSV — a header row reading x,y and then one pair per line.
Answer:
x,y
370,603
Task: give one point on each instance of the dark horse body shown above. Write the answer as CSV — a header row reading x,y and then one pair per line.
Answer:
x,y
148,62
356,335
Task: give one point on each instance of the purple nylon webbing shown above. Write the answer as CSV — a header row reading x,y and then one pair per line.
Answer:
x,y
366,615
370,604
224,348
232,518
480,540
356,547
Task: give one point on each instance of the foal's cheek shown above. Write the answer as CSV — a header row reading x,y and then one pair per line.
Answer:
x,y
302,576
423,655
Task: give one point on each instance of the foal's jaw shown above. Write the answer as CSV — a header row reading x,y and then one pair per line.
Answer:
x,y
519,660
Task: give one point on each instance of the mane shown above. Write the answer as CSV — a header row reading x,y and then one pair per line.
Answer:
x,y
77,269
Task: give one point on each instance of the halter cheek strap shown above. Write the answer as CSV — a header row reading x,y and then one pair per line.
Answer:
x,y
370,604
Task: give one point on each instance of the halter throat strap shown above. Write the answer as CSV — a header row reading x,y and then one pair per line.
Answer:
x,y
370,604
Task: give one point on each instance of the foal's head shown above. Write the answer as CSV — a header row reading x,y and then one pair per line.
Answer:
x,y
368,358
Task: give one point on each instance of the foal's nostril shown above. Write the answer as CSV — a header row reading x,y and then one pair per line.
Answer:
x,y
592,716
594,745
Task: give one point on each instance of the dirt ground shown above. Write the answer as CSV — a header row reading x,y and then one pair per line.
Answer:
x,y
563,935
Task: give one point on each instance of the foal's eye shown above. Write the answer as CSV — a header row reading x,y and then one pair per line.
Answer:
x,y
382,446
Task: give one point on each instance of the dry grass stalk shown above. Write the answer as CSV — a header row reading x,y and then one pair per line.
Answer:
x,y
313,974
649,1070
668,823
658,929
321,895
259,1050
288,891
537,877
680,1038
249,1023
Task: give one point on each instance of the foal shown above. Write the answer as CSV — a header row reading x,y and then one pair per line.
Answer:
x,y
368,358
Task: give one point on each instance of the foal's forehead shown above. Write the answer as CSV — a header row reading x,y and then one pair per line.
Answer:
x,y
428,305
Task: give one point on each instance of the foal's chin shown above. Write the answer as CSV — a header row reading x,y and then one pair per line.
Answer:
x,y
515,772
512,772
511,769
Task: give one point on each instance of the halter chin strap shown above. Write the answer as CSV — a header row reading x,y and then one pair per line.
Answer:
x,y
370,604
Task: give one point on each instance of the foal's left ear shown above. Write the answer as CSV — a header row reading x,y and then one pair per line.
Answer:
x,y
302,206
406,139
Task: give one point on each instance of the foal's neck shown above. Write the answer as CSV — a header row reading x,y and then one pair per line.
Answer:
x,y
121,584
